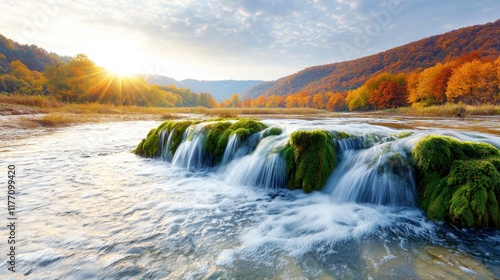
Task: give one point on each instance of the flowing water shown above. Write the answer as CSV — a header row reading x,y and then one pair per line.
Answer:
x,y
90,209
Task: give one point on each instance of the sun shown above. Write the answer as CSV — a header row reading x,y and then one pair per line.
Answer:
x,y
121,67
119,58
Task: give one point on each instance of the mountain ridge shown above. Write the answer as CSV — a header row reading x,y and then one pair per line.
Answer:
x,y
220,89
346,75
34,57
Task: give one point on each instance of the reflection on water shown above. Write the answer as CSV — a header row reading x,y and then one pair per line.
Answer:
x,y
89,209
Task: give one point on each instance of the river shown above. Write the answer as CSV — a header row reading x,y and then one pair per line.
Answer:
x,y
87,208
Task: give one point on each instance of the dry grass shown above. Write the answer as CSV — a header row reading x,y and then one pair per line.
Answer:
x,y
55,110
29,100
450,110
235,112
61,119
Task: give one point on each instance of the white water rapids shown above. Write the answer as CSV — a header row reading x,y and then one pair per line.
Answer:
x,y
90,209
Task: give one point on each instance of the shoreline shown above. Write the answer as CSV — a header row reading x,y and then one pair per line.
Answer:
x,y
29,123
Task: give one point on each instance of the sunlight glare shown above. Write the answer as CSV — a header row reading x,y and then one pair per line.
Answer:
x,y
120,58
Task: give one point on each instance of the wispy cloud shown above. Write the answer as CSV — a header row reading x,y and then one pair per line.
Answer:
x,y
217,39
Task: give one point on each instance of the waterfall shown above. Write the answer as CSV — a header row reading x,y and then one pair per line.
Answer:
x,y
232,146
166,154
189,154
264,167
381,175
372,166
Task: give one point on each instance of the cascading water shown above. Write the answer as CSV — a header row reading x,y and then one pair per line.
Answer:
x,y
381,175
232,147
189,154
150,220
374,166
264,167
166,143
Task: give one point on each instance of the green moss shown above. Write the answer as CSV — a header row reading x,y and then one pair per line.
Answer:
x,y
458,181
273,131
221,131
310,159
242,133
403,134
212,140
341,135
178,129
150,146
139,150
216,138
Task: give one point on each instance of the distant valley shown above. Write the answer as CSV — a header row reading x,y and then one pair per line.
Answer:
x,y
220,90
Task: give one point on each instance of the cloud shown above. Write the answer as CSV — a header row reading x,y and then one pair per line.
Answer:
x,y
266,38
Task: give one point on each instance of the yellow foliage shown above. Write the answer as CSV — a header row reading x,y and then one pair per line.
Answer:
x,y
474,82
358,99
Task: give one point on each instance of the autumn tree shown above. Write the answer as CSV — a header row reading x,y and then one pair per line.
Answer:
x,y
305,102
430,86
22,80
318,101
389,94
473,83
387,91
246,103
11,84
225,104
2,58
291,101
280,101
357,100
336,103
20,71
271,102
497,65
235,101
206,100
57,79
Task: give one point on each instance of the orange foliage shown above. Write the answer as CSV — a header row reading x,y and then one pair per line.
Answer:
x,y
336,103
389,94
474,83
474,41
318,101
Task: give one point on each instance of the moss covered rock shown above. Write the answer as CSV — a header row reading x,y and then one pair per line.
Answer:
x,y
273,131
216,136
219,133
310,159
458,182
150,146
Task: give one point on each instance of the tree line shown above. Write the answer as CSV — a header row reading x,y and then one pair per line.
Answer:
x,y
424,53
81,81
469,79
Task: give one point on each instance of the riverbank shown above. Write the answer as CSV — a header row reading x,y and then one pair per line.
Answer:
x,y
22,117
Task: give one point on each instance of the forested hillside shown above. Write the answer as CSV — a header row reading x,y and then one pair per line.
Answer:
x,y
33,57
344,76
220,89
30,70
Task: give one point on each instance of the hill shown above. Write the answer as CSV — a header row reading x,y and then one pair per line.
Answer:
x,y
220,90
343,76
33,57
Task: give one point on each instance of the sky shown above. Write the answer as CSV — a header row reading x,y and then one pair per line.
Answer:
x,y
231,39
